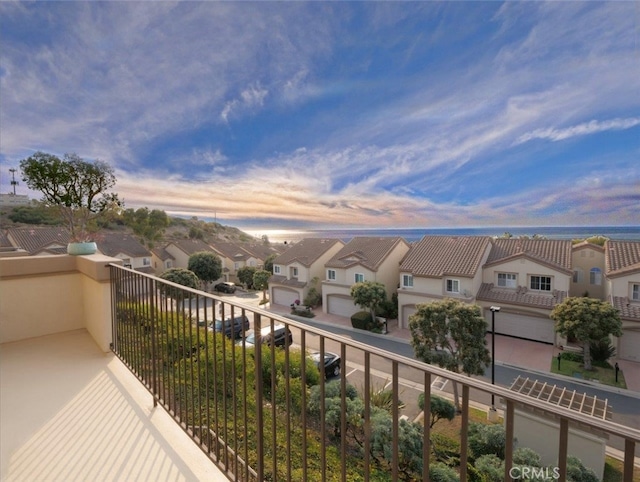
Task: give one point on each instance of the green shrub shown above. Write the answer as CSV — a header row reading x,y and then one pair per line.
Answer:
x,y
572,356
439,472
601,351
526,456
577,472
486,439
440,408
491,467
363,321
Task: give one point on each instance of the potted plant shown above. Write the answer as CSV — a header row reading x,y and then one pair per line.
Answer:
x,y
78,189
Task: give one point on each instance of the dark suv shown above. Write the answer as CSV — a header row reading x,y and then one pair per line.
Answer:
x,y
225,287
232,327
281,336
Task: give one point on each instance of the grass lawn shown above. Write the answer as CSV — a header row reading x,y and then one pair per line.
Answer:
x,y
606,376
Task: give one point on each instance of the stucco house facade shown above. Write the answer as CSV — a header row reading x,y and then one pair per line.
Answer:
x,y
587,262
439,267
127,248
622,290
295,270
182,249
362,259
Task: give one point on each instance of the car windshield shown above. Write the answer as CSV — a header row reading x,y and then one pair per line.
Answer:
x,y
250,339
218,325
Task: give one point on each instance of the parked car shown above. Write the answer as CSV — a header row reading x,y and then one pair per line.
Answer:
x,y
281,336
225,287
331,363
232,327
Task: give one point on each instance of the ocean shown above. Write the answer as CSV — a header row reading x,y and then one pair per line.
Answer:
x,y
629,233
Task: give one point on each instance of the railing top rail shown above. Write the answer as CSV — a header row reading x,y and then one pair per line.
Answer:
x,y
505,393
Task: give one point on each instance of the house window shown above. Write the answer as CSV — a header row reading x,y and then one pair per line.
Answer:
x,y
453,286
294,272
595,276
236,266
167,264
407,281
359,278
146,262
541,283
331,274
252,263
276,269
635,292
506,280
578,275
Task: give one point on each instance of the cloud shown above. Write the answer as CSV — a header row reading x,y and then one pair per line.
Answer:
x,y
249,99
587,128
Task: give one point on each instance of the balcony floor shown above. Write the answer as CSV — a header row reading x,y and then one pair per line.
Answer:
x,y
70,412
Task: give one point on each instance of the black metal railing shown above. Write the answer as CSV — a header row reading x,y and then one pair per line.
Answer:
x,y
267,412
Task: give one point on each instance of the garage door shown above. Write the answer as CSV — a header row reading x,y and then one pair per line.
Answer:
x,y
283,296
523,326
629,345
341,306
407,311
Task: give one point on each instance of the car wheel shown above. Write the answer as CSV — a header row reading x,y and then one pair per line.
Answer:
x,y
336,370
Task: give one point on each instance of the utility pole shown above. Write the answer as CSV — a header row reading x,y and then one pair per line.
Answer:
x,y
14,183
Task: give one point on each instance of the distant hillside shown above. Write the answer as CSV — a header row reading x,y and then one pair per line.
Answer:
x,y
180,228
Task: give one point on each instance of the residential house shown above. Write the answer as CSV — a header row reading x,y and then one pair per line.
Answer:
x,y
233,258
182,249
587,261
526,278
127,248
361,259
162,260
260,252
37,241
439,267
622,288
295,270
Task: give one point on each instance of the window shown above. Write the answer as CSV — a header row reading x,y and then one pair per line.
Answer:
x,y
578,275
294,272
331,274
541,283
276,269
595,276
359,278
635,292
236,266
407,281
167,264
146,262
453,286
507,280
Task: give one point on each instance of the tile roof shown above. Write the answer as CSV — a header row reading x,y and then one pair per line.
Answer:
x,y
278,279
438,256
621,257
262,252
111,244
369,252
38,239
190,246
307,251
520,296
552,252
231,251
629,310
162,253
4,240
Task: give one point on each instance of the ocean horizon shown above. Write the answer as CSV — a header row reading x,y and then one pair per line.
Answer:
x,y
628,233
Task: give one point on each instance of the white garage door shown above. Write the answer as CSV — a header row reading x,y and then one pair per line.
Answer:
x,y
341,306
523,326
283,296
407,311
629,345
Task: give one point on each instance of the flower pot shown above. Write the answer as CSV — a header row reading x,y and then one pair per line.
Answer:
x,y
77,249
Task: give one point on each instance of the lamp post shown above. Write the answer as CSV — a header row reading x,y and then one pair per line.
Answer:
x,y
493,351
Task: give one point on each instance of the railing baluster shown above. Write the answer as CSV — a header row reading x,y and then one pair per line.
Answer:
x,y
367,415
629,456
509,439
426,422
563,449
464,434
395,415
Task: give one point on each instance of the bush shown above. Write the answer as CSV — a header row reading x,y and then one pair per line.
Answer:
x,y
490,467
572,356
439,472
441,408
526,456
602,350
486,439
577,472
363,321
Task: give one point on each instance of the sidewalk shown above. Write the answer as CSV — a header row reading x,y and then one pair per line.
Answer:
x,y
527,355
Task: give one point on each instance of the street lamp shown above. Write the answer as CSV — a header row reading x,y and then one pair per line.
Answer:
x,y
493,351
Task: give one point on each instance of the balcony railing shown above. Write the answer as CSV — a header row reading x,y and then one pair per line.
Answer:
x,y
263,412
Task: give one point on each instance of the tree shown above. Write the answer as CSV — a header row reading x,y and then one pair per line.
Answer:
x,y
77,188
450,334
149,225
261,282
206,266
586,320
268,262
368,295
245,275
179,276
440,408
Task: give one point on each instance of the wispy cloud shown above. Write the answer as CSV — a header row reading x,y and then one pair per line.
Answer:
x,y
587,128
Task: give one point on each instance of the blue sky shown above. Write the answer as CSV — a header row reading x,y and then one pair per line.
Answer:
x,y
336,114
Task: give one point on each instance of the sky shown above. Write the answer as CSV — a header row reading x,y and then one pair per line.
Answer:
x,y
302,115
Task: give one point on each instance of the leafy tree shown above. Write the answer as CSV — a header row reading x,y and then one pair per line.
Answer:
x,y
314,297
440,408
368,295
450,334
179,276
245,275
586,320
261,282
491,467
265,240
77,188
577,472
268,262
206,266
333,406
486,439
149,225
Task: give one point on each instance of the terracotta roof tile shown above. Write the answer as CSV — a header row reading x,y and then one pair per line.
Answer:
x,y
553,252
306,251
629,310
191,246
112,244
231,251
622,257
438,256
369,252
38,239
520,296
